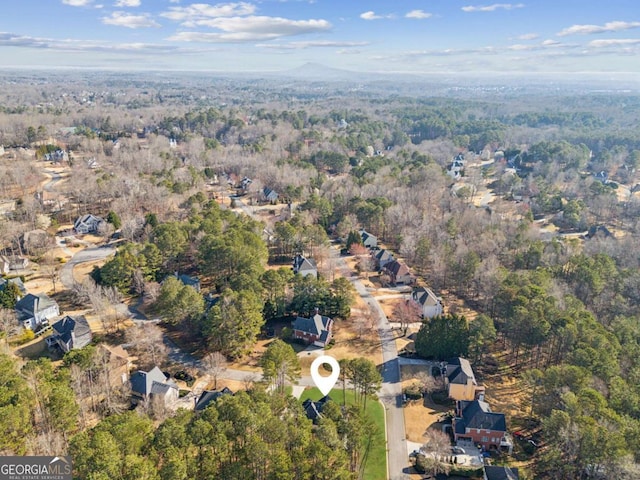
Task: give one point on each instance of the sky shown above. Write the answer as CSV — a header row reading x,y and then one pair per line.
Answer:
x,y
428,36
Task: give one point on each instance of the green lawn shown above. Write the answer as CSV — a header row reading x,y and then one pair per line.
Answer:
x,y
376,462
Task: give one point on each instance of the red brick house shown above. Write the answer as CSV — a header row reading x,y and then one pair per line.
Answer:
x,y
315,330
475,422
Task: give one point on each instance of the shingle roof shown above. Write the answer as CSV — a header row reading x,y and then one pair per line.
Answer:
x,y
478,414
78,326
313,410
301,263
459,371
425,296
316,325
143,383
501,473
30,304
209,396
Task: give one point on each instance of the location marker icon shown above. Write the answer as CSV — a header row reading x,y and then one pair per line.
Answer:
x,y
325,384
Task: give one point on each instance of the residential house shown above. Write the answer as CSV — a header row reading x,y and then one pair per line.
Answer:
x,y
189,281
382,258
500,473
117,363
70,333
461,381
475,422
13,262
315,330
430,305
208,396
305,266
17,282
368,240
313,410
35,310
88,224
399,273
146,386
269,195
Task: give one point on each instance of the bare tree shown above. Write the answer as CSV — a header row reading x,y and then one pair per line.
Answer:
x,y
51,269
406,312
215,364
9,325
148,344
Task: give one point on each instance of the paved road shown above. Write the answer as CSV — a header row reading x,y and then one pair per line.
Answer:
x,y
391,391
87,255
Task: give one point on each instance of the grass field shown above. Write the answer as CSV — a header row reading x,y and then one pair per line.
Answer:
x,y
376,460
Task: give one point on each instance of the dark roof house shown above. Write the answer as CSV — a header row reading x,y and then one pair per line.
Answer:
x,y
430,305
500,473
399,273
315,330
208,396
144,385
71,333
313,410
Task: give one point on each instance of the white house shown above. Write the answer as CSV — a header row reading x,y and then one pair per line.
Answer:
x,y
430,305
305,266
35,310
88,224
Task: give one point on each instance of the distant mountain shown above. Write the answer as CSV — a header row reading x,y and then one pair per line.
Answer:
x,y
312,70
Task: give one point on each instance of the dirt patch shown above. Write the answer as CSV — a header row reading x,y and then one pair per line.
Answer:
x,y
81,271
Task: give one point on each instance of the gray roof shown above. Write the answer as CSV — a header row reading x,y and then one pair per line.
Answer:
x,y
478,414
368,239
28,305
313,410
189,280
383,255
16,281
303,264
209,396
74,332
425,296
316,325
154,381
501,473
459,371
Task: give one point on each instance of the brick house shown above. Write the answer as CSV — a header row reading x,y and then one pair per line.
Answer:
x,y
315,330
475,422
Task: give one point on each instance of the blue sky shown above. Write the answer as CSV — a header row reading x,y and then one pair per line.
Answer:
x,y
270,35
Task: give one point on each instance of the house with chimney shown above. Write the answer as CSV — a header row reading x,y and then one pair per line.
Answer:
x,y
475,423
70,333
430,305
305,266
316,330
35,310
461,381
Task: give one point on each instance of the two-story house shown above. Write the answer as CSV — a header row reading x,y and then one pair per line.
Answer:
x,y
305,266
430,305
35,310
475,422
461,381
315,330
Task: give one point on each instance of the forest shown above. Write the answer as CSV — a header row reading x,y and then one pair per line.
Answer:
x,y
537,234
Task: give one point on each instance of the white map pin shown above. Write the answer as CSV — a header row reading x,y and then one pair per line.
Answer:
x,y
325,384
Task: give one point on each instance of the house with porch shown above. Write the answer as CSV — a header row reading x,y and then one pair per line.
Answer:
x,y
35,310
70,333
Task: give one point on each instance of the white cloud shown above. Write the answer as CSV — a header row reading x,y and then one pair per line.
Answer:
x,y
123,19
492,8
311,44
252,28
77,3
528,36
418,14
614,42
127,3
199,11
371,15
13,40
615,26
